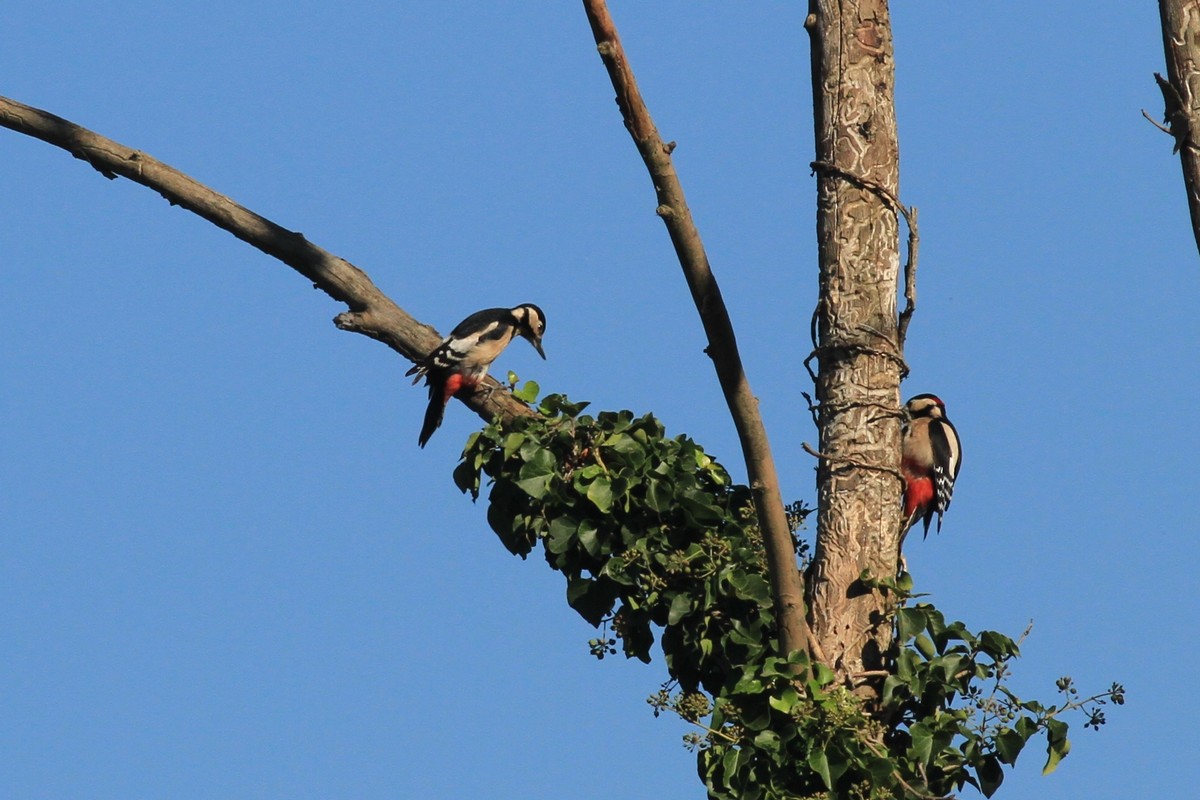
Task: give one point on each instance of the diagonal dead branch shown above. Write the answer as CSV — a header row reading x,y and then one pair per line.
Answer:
x,y
371,312
722,345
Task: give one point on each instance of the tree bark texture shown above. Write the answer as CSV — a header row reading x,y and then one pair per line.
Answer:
x,y
370,313
855,328
786,585
1181,92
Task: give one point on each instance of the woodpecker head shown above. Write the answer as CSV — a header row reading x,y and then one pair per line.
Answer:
x,y
925,405
531,324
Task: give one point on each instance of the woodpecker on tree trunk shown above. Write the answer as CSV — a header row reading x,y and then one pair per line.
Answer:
x,y
461,361
930,461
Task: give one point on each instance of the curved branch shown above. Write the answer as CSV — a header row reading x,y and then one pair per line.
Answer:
x,y
371,312
722,345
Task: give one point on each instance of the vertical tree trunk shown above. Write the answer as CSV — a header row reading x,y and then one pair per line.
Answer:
x,y
1181,92
858,386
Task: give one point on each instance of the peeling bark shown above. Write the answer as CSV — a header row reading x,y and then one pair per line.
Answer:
x,y
857,344
1181,92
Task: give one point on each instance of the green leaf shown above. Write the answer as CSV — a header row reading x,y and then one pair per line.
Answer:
x,y
589,537
561,535
1057,744
991,775
1009,744
658,495
924,646
681,606
590,598
819,763
910,622
600,493
753,587
536,486
527,393
1026,727
921,748
512,443
997,645
785,701
767,740
466,478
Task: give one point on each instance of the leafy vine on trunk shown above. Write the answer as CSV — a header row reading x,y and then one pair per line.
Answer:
x,y
658,544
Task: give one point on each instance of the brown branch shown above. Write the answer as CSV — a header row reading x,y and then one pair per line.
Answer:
x,y
722,345
371,312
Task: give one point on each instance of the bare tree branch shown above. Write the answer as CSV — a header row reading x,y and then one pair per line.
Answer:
x,y
1181,43
370,313
722,344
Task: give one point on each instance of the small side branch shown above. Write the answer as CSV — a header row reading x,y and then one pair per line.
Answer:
x,y
853,462
371,312
722,345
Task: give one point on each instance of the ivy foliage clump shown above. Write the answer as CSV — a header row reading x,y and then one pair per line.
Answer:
x,y
657,542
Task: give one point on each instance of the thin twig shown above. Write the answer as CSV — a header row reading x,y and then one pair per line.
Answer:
x,y
910,281
1157,124
859,349
854,462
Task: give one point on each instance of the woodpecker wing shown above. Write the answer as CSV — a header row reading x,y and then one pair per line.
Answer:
x,y
474,342
947,459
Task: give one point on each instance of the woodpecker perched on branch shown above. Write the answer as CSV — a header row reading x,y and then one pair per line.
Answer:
x,y
461,361
931,457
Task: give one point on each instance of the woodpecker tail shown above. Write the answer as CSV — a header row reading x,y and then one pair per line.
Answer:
x,y
433,415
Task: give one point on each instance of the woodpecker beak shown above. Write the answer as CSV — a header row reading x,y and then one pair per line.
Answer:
x,y
537,345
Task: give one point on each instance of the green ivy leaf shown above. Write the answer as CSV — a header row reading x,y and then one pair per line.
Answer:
x,y
512,443
527,393
600,493
785,701
991,775
561,536
924,646
1009,744
590,599
466,478
921,749
819,763
910,622
589,537
1057,744
681,606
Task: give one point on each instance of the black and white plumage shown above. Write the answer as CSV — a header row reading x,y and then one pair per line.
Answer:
x,y
932,456
461,361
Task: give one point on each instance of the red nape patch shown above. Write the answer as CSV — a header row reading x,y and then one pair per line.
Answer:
x,y
918,494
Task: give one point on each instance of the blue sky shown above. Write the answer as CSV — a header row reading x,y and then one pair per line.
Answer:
x,y
229,572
